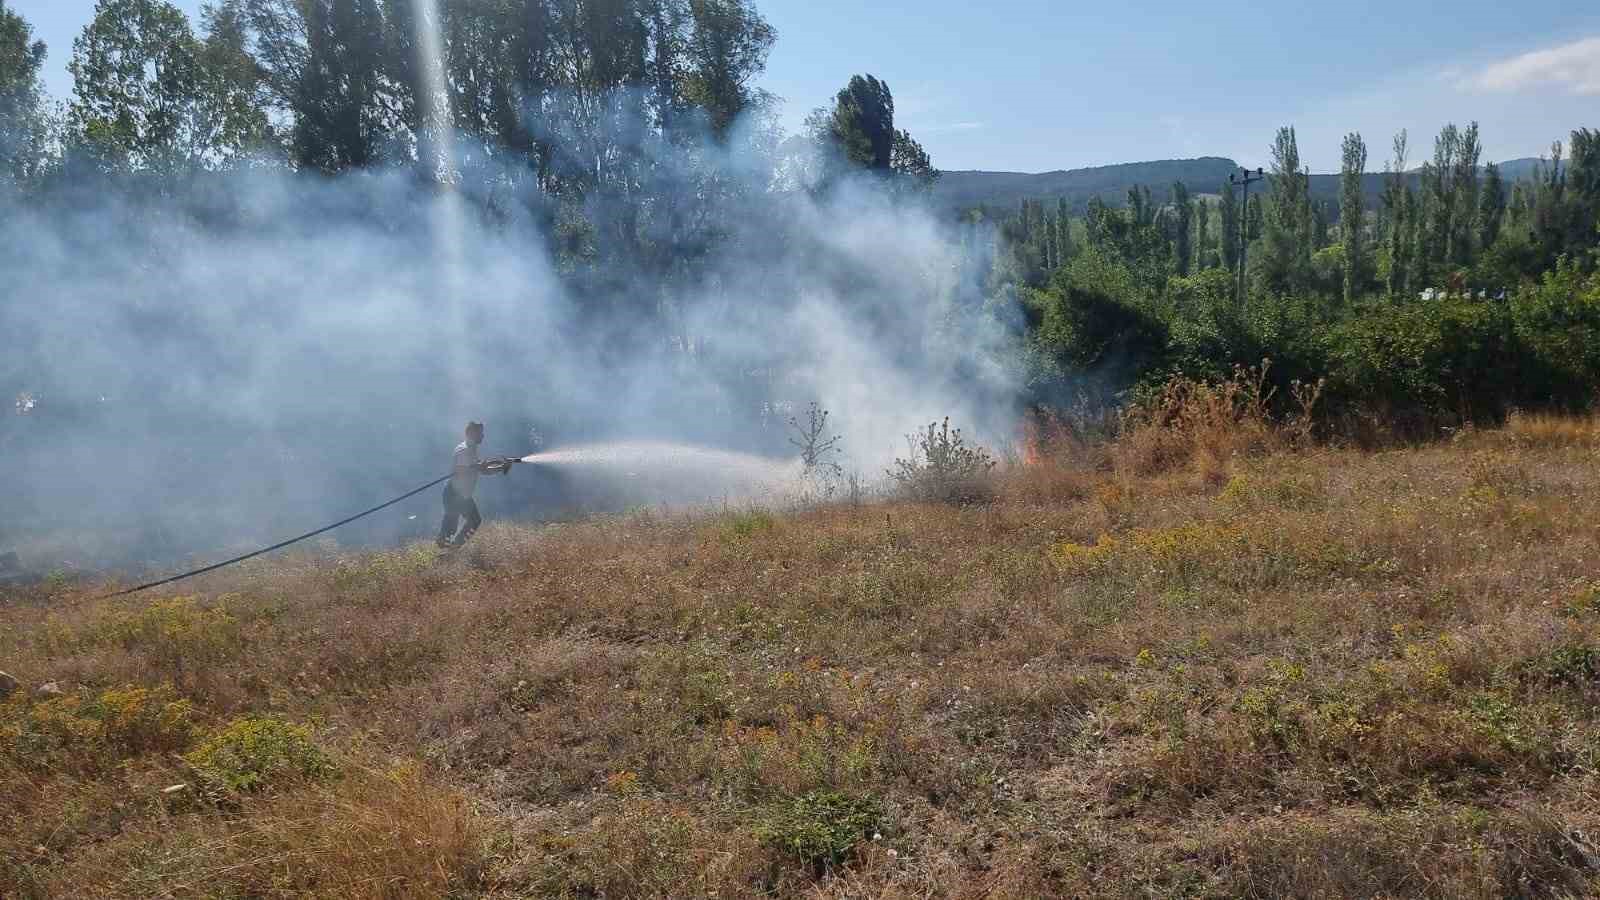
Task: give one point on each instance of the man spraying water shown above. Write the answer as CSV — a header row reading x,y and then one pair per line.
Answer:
x,y
458,502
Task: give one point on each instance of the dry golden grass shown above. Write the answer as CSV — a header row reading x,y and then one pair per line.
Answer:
x,y
1199,664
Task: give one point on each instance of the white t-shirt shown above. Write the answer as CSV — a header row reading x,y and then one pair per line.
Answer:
x,y
464,479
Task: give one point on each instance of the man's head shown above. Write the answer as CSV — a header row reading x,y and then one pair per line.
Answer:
x,y
475,432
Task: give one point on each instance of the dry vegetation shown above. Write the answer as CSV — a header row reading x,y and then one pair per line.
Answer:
x,y
1205,661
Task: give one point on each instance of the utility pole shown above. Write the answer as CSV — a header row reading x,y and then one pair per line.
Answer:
x,y
1248,178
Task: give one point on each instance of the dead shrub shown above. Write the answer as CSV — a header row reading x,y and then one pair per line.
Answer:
x,y
1191,425
1547,430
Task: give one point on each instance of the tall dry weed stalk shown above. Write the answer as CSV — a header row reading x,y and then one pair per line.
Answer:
x,y
1192,424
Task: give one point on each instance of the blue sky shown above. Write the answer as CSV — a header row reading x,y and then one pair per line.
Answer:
x,y
1033,85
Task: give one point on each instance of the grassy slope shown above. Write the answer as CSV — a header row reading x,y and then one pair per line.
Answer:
x,y
1318,674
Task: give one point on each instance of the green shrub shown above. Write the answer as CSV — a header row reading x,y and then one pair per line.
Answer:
x,y
1572,663
748,523
1089,320
1557,325
1446,356
1586,601
252,752
821,827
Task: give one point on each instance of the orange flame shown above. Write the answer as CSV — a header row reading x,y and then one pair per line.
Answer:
x,y
1031,440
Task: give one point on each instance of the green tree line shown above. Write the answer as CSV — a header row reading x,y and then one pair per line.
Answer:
x,y
1454,296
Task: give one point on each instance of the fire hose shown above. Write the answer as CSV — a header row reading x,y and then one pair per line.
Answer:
x,y
493,466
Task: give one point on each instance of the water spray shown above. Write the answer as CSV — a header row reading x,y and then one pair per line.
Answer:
x,y
675,460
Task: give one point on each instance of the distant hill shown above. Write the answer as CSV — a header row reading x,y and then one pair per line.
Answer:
x,y
958,191
1522,169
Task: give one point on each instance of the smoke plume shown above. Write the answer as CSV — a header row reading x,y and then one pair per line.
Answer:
x,y
237,356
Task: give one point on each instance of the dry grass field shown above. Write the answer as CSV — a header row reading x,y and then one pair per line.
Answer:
x,y
1208,660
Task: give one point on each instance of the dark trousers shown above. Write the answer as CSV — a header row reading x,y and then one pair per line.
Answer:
x,y
456,508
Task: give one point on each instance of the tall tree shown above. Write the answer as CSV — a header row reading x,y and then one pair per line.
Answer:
x,y
1352,207
1231,223
1547,217
1464,197
1583,188
21,117
232,83
862,124
136,86
727,47
1141,207
1052,246
1321,224
1397,205
1286,258
341,120
1436,226
1183,215
1255,219
859,132
1491,206
1202,234
326,64
1400,205
1519,210
1064,230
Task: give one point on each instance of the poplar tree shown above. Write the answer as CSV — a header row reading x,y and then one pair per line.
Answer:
x,y
1286,256
1400,204
1491,206
1064,231
1182,248
862,123
1436,225
1351,205
1052,240
1231,221
1583,189
1464,197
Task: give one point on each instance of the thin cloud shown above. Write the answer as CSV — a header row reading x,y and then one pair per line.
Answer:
x,y
1574,66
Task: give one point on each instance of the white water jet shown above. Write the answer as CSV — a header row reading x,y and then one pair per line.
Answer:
x,y
678,472
434,152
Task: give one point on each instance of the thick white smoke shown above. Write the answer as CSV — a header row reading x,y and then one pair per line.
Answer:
x,y
267,351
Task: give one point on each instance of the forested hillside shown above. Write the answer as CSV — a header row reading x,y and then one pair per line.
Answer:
x,y
961,191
